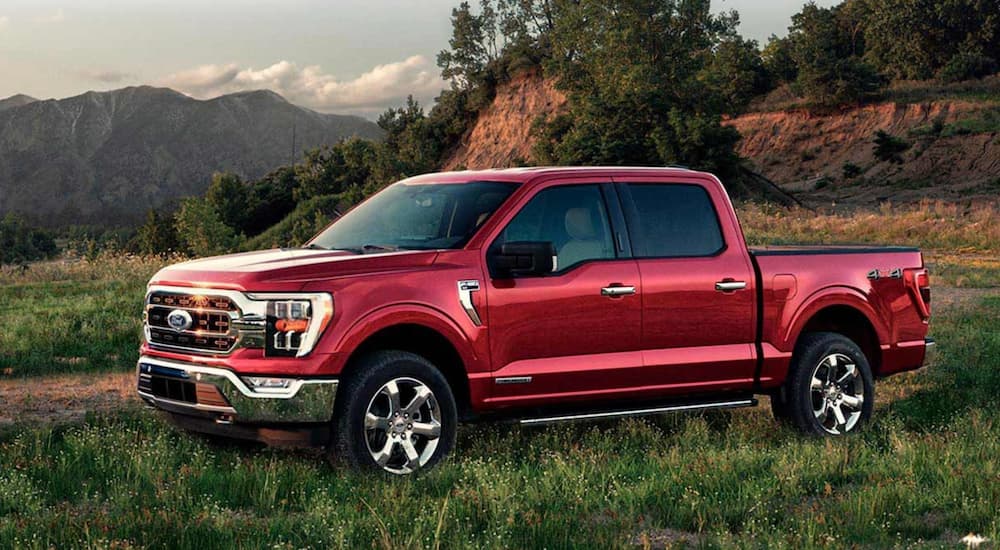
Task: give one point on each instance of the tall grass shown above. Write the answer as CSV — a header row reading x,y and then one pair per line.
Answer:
x,y
924,473
73,315
931,225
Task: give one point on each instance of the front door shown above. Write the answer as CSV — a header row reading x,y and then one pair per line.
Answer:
x,y
573,333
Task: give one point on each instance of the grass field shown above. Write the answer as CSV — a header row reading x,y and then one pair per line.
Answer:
x,y
73,316
924,474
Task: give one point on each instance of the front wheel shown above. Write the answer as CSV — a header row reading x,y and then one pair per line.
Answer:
x,y
830,389
396,412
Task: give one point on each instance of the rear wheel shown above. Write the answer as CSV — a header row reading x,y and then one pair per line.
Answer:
x,y
396,412
830,389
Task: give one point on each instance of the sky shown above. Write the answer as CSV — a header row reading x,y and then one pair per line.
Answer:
x,y
334,56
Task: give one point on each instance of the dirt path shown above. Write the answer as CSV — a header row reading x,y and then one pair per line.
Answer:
x,y
64,398
68,398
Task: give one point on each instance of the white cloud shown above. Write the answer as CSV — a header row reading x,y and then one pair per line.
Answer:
x,y
370,93
3,21
109,76
57,16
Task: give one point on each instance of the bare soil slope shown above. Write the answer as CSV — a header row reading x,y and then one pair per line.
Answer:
x,y
501,137
954,151
953,147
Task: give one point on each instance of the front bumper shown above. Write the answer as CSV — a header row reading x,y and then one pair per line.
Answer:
x,y
219,394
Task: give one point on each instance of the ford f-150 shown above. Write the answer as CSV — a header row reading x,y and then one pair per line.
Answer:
x,y
533,295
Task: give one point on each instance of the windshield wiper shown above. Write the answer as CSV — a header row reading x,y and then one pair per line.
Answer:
x,y
379,248
314,246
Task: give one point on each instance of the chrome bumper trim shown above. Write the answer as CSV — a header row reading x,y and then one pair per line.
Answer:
x,y
305,400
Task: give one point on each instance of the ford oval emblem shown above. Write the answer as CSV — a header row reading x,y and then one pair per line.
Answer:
x,y
179,320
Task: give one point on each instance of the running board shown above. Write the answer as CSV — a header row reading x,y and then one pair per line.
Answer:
x,y
731,404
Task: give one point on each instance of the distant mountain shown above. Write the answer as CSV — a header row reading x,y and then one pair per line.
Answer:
x,y
15,101
104,158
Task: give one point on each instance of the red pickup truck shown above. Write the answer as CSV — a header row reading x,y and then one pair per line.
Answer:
x,y
534,295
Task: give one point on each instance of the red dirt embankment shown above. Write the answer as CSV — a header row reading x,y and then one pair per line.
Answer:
x,y
803,153
797,149
501,136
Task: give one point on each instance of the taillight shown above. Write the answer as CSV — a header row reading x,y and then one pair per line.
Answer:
x,y
918,281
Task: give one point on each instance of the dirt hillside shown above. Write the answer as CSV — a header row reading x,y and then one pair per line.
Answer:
x,y
953,146
953,151
501,137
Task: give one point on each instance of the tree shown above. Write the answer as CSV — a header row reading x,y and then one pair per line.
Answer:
x,y
334,169
413,143
631,69
902,37
20,243
202,231
966,66
158,235
736,73
777,60
272,198
231,197
504,33
914,39
473,45
830,72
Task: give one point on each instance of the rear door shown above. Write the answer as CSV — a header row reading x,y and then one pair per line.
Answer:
x,y
565,335
698,324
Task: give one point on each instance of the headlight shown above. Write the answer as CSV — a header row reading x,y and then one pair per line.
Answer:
x,y
294,322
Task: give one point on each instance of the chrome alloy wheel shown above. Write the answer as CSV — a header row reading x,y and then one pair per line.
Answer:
x,y
838,393
402,438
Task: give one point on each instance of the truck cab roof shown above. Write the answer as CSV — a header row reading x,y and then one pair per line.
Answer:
x,y
528,174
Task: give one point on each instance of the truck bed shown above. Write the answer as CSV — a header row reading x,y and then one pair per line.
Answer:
x,y
873,279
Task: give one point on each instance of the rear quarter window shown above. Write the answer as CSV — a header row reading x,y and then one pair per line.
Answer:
x,y
673,220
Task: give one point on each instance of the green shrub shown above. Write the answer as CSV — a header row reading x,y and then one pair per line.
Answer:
x,y
202,231
21,243
967,66
308,218
888,148
851,170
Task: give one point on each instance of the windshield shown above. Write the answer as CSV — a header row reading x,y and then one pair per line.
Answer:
x,y
416,217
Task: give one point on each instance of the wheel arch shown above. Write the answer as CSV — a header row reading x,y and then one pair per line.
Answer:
x,y
844,311
421,331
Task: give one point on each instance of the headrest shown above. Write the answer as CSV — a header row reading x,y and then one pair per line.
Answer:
x,y
578,224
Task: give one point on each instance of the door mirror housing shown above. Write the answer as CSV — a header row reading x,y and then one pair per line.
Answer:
x,y
523,259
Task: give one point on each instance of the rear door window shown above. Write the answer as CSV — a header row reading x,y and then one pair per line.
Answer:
x,y
672,220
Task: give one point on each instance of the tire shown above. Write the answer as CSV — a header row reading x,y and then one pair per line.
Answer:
x,y
412,432
830,390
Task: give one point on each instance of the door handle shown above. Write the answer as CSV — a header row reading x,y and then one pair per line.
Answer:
x,y
615,290
730,285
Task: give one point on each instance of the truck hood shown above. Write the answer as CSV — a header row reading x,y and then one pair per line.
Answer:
x,y
286,269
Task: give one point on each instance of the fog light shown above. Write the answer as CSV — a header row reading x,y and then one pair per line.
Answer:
x,y
266,385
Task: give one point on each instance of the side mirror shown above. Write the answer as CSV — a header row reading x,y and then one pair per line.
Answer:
x,y
523,259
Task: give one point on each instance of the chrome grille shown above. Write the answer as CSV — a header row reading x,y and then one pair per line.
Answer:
x,y
192,301
213,322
